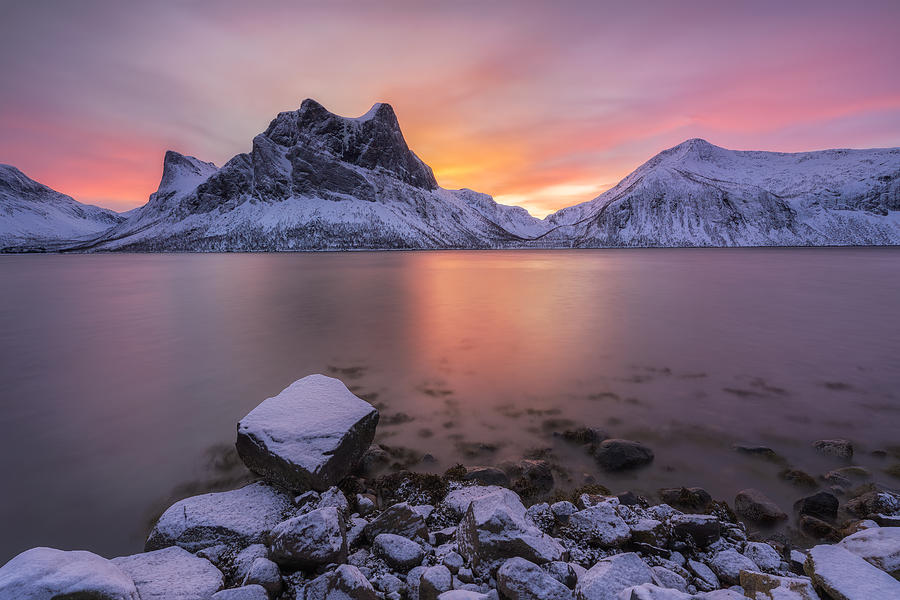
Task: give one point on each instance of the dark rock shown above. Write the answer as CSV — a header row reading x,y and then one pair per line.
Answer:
x,y
618,455
486,476
838,447
583,435
760,451
531,478
874,503
311,435
822,505
798,477
754,506
628,499
687,499
817,528
399,519
702,530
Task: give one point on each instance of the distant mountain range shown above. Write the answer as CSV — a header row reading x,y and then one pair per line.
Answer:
x,y
317,181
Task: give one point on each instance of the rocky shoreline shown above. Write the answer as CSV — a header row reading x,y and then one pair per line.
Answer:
x,y
321,524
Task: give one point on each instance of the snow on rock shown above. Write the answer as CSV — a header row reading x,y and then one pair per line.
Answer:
x,y
494,528
609,577
523,580
648,591
265,573
599,525
171,574
764,555
707,580
879,546
463,595
344,583
399,552
434,582
400,519
43,573
762,586
316,538
845,576
246,592
244,559
244,516
311,435
728,564
457,501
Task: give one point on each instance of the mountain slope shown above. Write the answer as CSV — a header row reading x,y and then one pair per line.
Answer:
x,y
698,194
315,180
35,217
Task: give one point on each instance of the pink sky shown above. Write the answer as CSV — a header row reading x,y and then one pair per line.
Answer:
x,y
539,104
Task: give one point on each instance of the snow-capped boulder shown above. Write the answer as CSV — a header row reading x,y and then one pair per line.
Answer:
x,y
246,592
495,528
42,573
619,455
399,519
316,538
434,582
599,525
756,507
311,435
764,555
265,573
244,559
649,591
399,552
457,501
171,574
845,576
463,595
243,516
879,546
610,576
728,564
523,580
346,582
762,586
706,579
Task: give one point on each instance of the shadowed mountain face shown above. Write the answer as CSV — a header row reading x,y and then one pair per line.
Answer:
x,y
315,180
35,217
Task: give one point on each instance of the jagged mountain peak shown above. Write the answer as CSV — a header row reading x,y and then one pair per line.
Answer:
x,y
178,169
371,141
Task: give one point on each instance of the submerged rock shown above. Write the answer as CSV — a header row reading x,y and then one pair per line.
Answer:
x,y
838,447
171,574
243,516
693,499
311,435
486,476
43,573
316,538
755,506
619,455
821,504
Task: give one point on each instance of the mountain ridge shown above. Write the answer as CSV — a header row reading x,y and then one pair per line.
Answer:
x,y
314,180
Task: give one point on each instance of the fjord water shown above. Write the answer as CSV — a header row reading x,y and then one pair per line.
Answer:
x,y
121,375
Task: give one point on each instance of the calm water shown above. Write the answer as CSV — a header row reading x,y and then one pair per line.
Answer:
x,y
121,376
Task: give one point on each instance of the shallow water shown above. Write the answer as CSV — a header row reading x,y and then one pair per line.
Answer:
x,y
122,375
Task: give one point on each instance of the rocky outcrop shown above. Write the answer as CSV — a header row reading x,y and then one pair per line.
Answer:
x,y
171,574
843,575
42,573
311,435
244,516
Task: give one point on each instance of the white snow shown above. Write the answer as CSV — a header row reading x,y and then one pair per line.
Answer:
x,y
846,576
171,574
41,573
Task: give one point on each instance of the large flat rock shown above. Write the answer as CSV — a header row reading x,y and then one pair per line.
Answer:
x,y
44,573
171,574
846,576
244,516
879,546
309,436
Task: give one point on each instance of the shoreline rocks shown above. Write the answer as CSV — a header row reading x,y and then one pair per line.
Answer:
x,y
414,536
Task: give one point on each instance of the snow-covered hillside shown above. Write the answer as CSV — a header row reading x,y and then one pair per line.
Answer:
x,y
35,217
315,180
698,194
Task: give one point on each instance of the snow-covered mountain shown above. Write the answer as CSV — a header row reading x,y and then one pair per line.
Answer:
x,y
35,217
315,180
698,194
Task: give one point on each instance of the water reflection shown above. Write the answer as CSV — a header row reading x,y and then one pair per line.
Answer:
x,y
119,373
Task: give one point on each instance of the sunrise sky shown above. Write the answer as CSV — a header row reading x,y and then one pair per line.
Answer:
x,y
539,104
